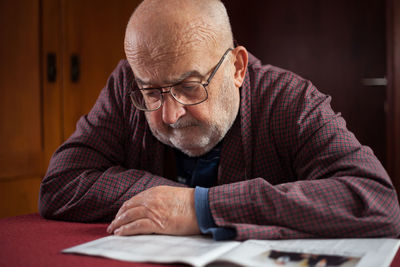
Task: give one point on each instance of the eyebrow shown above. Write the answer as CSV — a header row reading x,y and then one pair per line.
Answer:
x,y
192,73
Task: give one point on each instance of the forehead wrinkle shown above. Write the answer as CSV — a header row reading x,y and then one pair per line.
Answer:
x,y
172,50
169,39
149,58
157,67
199,32
174,81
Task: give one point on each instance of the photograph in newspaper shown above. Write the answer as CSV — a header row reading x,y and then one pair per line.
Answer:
x,y
294,259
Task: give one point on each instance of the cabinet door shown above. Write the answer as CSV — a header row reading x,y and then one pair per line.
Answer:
x,y
93,45
84,41
21,143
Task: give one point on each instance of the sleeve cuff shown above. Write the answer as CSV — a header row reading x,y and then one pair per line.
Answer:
x,y
205,219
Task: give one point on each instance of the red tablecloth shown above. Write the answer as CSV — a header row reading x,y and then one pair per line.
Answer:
x,y
30,240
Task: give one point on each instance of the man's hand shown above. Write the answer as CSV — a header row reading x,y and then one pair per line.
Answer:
x,y
161,210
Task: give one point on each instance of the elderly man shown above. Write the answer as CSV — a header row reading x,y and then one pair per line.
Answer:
x,y
194,135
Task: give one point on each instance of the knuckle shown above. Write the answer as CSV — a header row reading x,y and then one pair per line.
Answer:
x,y
122,217
136,224
122,230
124,205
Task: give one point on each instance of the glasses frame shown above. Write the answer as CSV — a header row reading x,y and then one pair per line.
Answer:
x,y
162,92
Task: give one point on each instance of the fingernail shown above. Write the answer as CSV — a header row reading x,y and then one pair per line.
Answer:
x,y
117,232
109,229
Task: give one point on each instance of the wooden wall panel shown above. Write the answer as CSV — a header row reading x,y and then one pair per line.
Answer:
x,y
19,196
20,103
21,142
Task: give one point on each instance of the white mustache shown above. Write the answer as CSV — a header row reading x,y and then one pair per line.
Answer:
x,y
183,123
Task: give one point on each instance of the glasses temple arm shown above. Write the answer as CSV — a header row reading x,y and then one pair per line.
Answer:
x,y
217,67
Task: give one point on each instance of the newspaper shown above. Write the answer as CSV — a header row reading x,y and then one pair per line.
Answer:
x,y
201,251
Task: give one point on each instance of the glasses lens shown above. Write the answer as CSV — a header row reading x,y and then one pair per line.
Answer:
x,y
189,93
146,99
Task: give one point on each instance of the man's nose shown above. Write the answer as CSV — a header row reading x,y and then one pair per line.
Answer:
x,y
171,110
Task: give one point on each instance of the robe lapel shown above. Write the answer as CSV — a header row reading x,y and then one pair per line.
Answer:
x,y
236,155
245,111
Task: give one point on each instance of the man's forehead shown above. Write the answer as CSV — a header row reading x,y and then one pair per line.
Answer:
x,y
173,79
170,70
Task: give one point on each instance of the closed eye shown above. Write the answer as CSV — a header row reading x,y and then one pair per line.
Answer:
x,y
189,86
151,93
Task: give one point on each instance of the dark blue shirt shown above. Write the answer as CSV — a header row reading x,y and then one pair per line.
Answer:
x,y
202,172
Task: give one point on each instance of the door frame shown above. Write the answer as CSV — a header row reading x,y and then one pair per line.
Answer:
x,y
393,91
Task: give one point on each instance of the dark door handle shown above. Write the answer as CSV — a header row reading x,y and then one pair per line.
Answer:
x,y
51,67
75,68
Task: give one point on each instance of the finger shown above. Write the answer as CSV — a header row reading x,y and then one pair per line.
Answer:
x,y
141,226
126,217
131,203
126,206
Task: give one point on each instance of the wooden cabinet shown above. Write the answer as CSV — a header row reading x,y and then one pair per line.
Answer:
x,y
43,44
86,38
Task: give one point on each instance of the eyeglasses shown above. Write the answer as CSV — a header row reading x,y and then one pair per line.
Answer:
x,y
185,93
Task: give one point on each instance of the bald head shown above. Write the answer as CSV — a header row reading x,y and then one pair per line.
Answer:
x,y
162,30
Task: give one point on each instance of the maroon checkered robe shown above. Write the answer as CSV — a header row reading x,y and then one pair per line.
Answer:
x,y
289,167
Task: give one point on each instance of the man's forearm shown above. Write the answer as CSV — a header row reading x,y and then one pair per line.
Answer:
x,y
319,208
92,195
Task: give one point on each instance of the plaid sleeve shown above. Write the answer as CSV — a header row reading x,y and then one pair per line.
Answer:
x,y
101,165
335,187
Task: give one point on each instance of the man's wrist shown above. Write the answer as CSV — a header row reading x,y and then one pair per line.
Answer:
x,y
204,217
203,213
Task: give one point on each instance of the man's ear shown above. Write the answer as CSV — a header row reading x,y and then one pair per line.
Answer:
x,y
241,58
